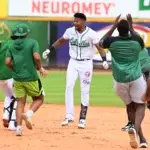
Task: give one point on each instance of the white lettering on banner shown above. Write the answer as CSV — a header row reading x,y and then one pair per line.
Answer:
x,y
69,8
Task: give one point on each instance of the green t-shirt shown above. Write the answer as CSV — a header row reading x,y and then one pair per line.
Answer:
x,y
125,57
5,72
145,60
21,52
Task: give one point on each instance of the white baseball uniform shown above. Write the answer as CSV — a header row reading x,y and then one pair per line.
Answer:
x,y
81,50
7,88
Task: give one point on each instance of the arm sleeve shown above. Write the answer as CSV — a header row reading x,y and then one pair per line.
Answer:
x,y
141,42
66,35
36,47
107,42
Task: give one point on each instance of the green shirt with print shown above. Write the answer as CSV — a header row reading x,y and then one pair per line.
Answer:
x,y
125,57
21,52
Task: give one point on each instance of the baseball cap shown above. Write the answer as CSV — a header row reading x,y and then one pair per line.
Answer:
x,y
20,30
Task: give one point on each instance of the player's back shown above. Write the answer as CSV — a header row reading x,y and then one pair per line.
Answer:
x,y
5,72
23,62
125,58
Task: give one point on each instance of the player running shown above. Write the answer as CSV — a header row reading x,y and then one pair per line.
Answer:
x,y
145,65
6,84
129,81
82,42
24,60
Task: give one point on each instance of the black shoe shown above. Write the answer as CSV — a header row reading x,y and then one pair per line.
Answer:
x,y
126,128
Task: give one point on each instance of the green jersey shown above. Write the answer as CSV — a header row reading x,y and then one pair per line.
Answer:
x,y
5,72
21,52
125,57
145,60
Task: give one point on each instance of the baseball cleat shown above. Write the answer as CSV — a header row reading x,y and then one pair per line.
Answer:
x,y
66,121
133,137
6,119
12,126
143,144
127,127
27,121
5,123
81,124
19,131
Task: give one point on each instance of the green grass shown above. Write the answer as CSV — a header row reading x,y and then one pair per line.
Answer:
x,y
101,93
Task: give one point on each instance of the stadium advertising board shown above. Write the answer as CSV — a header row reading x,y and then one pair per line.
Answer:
x,y
64,9
101,27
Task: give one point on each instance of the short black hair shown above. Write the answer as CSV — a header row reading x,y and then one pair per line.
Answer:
x,y
123,27
80,15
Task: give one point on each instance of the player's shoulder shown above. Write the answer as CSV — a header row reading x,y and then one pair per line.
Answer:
x,y
32,41
91,30
70,29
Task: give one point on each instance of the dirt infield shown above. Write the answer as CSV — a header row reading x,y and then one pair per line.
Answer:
x,y
102,132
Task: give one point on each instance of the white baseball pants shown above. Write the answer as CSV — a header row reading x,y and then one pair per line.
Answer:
x,y
83,70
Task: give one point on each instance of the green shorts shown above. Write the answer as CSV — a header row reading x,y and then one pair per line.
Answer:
x,y
31,88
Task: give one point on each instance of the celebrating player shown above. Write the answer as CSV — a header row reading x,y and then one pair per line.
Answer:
x,y
82,42
24,60
6,84
129,81
145,65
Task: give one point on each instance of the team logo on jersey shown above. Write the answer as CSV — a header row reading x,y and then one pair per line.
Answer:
x,y
5,32
75,42
87,74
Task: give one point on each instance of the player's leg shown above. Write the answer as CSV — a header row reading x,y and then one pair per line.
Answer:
x,y
123,91
20,93
85,75
129,124
138,87
13,105
71,77
35,90
7,88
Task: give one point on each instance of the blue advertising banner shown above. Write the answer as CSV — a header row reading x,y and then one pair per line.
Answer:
x,y
101,28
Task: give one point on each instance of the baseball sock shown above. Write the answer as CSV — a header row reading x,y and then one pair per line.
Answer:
x,y
29,113
83,112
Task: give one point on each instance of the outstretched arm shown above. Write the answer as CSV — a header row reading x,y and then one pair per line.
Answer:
x,y
130,22
110,32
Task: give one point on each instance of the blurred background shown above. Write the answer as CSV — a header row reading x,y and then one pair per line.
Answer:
x,y
48,20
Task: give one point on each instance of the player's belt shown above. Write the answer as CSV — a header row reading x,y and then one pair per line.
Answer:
x,y
82,59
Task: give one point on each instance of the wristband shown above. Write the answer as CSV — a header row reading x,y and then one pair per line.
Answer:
x,y
104,58
52,48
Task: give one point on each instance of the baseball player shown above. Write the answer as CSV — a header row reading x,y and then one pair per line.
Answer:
x,y
6,84
24,60
82,43
129,81
145,65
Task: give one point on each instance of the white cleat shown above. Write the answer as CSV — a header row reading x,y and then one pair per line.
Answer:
x,y
81,124
12,126
133,138
143,144
28,121
66,121
19,131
